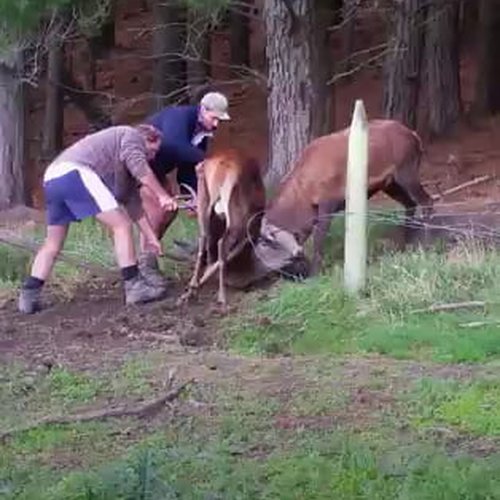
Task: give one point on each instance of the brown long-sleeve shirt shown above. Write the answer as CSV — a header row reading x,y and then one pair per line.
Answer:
x,y
118,156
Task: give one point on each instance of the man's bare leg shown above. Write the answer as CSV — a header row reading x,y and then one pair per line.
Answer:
x,y
136,288
159,221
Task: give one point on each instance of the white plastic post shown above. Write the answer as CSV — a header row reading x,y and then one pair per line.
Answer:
x,y
356,202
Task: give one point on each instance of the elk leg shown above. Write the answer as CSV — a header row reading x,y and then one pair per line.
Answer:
x,y
194,282
213,268
201,257
324,216
399,194
222,249
407,178
200,262
422,198
228,240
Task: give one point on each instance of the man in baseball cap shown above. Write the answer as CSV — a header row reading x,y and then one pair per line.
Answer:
x,y
185,130
216,104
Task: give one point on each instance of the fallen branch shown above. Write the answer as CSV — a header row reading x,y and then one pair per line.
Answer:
x,y
451,307
140,411
478,324
467,184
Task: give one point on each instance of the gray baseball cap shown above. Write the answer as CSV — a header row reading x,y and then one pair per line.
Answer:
x,y
217,103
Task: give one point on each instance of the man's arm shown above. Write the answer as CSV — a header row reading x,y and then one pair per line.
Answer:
x,y
133,205
132,153
152,240
136,212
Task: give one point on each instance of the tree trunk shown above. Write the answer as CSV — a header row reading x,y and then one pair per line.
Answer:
x,y
198,52
442,61
54,100
487,98
169,68
12,181
349,13
95,114
402,68
239,40
296,106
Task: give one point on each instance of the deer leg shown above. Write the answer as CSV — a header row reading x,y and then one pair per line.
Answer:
x,y
194,282
213,268
222,250
408,179
325,213
200,262
399,194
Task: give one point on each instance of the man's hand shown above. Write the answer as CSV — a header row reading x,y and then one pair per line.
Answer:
x,y
191,212
153,244
167,203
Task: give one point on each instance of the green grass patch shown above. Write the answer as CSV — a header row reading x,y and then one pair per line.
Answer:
x,y
13,266
26,396
316,316
313,317
315,466
472,407
90,243
233,448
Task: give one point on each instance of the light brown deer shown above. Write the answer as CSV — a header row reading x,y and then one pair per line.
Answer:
x,y
230,204
315,187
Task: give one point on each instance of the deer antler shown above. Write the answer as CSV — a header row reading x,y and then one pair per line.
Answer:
x,y
192,192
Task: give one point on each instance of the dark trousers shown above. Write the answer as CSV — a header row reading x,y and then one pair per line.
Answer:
x,y
186,174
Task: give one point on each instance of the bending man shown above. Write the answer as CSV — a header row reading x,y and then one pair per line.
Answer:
x,y
90,179
186,130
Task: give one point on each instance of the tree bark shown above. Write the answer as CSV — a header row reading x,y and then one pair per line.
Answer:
x,y
349,13
403,62
169,68
198,52
239,38
12,181
442,61
96,116
54,99
296,106
487,98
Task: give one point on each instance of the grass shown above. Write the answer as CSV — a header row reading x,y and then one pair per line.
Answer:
x,y
234,445
336,468
471,407
315,427
236,452
317,316
89,243
27,395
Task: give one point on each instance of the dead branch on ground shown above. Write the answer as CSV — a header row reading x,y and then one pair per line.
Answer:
x,y
140,411
451,306
464,185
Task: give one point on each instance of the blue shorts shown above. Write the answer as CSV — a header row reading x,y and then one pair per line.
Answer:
x,y
74,192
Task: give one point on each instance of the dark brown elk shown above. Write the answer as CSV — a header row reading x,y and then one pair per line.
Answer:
x,y
230,201
314,189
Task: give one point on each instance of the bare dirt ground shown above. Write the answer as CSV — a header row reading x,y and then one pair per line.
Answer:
x,y
94,326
